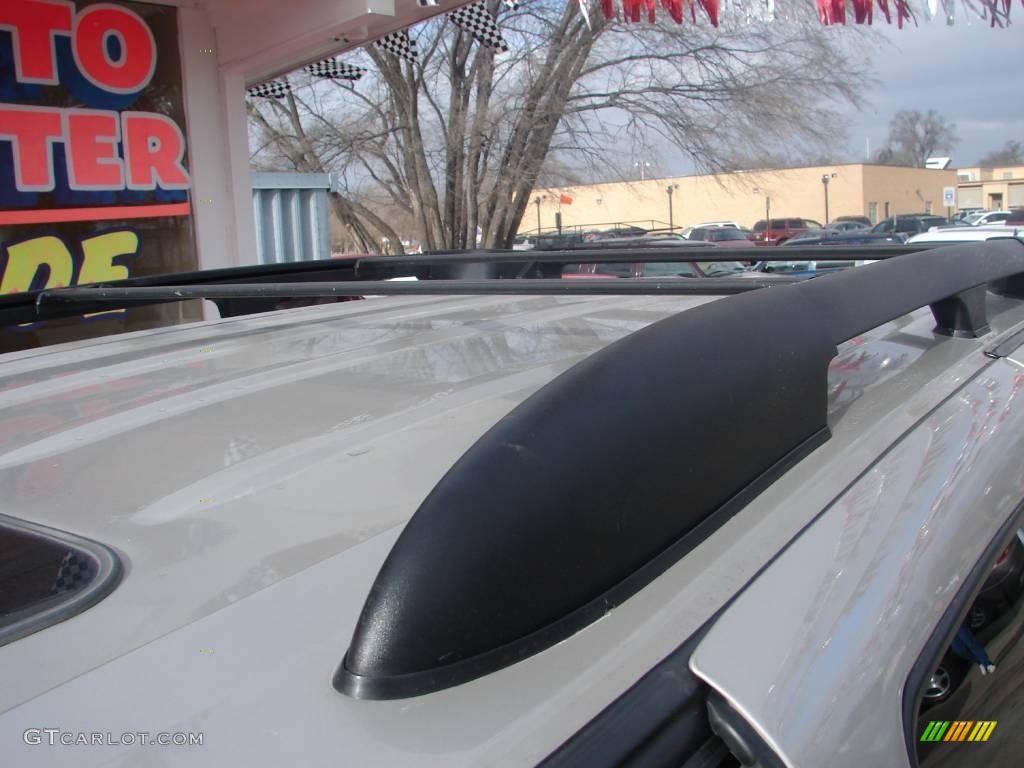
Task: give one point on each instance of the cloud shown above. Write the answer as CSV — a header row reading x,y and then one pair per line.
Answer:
x,y
968,73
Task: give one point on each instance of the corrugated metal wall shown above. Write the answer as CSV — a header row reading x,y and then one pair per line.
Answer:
x,y
291,216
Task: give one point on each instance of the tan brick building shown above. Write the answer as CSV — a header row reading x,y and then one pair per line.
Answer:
x,y
876,191
994,188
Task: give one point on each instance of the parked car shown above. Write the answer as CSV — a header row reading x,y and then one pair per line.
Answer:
x,y
729,237
778,231
990,217
909,224
851,238
798,268
521,529
634,269
948,235
855,219
846,226
965,213
524,242
731,224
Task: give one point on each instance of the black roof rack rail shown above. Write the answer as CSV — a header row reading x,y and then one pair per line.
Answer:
x,y
597,255
553,517
49,304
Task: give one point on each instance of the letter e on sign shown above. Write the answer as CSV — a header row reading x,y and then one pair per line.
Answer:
x,y
99,254
96,27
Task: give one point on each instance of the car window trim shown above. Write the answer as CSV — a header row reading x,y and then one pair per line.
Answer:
x,y
946,629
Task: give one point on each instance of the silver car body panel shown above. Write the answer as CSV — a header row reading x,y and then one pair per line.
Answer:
x,y
816,652
253,474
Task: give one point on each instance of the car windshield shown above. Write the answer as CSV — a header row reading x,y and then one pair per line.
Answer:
x,y
719,268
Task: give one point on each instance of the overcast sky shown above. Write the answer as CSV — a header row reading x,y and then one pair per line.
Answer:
x,y
969,73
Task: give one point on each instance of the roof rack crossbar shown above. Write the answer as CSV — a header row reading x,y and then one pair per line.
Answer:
x,y
702,286
608,475
619,253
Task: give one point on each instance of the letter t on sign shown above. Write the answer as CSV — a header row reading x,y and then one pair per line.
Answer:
x,y
33,24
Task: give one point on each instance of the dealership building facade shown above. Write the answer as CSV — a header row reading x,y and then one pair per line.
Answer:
x,y
875,191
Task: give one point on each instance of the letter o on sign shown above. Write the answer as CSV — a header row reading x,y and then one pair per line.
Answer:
x,y
133,68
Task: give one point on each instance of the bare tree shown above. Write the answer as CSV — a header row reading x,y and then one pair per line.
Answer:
x,y
915,136
460,139
1012,153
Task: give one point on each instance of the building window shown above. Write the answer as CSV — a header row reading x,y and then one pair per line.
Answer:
x,y
1007,174
873,212
928,206
887,209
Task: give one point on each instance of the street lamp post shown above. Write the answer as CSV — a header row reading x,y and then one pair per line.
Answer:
x,y
767,209
643,165
825,178
669,190
537,201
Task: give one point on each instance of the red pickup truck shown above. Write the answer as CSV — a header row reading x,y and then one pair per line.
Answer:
x,y
775,231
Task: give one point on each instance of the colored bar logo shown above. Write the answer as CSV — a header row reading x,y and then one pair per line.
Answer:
x,y
958,730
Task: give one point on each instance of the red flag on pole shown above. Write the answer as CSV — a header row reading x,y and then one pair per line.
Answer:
x,y
564,199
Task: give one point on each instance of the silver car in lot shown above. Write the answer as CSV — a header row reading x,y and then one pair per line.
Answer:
x,y
504,529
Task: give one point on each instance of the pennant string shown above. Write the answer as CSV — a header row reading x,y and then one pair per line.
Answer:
x,y
997,12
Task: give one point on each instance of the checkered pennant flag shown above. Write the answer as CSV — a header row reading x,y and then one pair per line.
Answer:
x,y
335,70
75,571
476,20
513,5
272,89
400,44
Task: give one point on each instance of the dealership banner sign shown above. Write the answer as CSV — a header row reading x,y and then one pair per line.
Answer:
x,y
94,179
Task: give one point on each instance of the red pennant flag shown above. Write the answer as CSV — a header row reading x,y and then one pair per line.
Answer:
x,y
862,11
564,199
711,9
675,9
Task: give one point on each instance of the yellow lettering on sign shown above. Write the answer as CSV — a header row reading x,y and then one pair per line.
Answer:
x,y
24,260
100,251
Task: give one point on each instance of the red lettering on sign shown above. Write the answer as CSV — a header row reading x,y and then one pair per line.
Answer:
x,y
91,139
153,150
136,62
32,132
32,24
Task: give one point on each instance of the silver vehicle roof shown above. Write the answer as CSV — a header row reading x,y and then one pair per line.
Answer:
x,y
254,474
